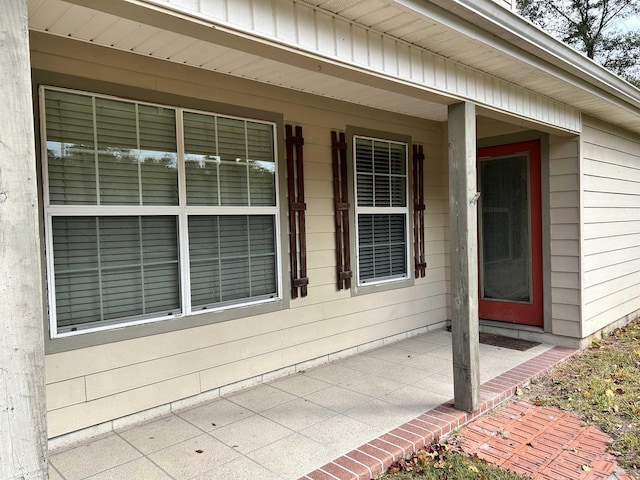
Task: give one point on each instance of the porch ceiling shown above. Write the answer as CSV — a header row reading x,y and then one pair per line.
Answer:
x,y
477,40
60,18
489,38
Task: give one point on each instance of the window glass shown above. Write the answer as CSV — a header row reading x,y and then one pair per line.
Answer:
x,y
262,168
232,257
120,261
383,247
104,151
71,153
110,268
381,209
240,152
201,159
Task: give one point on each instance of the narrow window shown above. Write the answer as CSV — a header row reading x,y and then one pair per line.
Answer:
x,y
381,210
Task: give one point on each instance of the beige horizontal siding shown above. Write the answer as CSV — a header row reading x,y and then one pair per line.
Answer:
x,y
564,202
79,416
593,263
66,393
593,246
566,328
97,384
565,231
603,230
612,224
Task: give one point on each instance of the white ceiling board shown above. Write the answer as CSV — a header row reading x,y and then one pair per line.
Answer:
x,y
61,18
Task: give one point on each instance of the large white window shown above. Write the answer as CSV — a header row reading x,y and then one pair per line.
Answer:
x,y
381,210
154,212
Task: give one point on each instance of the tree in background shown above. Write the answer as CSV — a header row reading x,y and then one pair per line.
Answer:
x,y
594,28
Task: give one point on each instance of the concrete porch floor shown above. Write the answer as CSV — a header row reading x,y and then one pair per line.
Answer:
x,y
297,424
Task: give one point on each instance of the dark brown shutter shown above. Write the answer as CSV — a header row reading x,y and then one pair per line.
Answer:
x,y
297,207
341,202
418,211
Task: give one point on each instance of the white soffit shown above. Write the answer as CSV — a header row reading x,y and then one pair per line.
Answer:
x,y
371,52
69,20
505,45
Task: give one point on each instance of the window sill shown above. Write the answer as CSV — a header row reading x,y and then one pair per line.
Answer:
x,y
130,332
382,286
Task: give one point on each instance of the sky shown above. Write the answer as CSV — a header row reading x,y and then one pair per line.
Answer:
x,y
632,23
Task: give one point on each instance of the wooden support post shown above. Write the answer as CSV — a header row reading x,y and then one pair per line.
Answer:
x,y
23,432
464,256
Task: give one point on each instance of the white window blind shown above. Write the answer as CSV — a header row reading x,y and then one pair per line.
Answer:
x,y
114,183
110,268
232,257
381,209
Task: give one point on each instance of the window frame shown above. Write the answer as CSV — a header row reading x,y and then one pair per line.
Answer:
x,y
360,287
182,211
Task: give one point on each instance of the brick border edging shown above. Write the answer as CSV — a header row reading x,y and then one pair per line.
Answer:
x,y
374,457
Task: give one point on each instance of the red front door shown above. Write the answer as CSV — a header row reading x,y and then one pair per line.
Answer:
x,y
510,233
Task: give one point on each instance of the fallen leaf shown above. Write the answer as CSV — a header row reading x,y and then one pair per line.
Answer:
x,y
586,468
518,391
473,468
199,451
529,444
424,457
609,393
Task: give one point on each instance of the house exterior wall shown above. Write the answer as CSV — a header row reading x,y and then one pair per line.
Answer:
x,y
564,202
98,383
611,212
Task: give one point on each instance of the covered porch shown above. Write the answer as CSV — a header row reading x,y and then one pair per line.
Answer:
x,y
346,418
449,77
